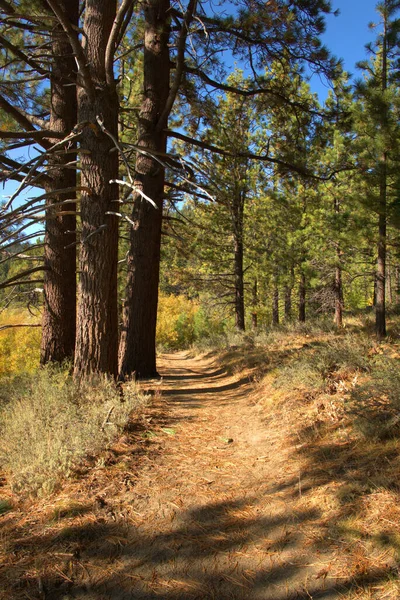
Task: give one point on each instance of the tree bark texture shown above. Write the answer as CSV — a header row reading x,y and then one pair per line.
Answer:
x,y
137,352
59,310
97,321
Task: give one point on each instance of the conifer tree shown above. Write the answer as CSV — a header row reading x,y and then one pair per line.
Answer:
x,y
378,131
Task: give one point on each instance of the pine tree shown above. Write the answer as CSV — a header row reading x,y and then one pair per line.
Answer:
x,y
378,131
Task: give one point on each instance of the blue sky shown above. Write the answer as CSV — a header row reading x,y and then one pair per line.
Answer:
x,y
347,34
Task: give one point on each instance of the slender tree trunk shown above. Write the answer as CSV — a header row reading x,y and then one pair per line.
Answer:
x,y
380,302
97,322
302,298
338,288
338,284
275,303
137,352
288,296
380,305
59,309
397,284
389,283
254,316
239,284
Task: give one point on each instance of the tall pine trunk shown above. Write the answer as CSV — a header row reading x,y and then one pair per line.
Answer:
x,y
137,352
59,309
97,321
380,304
338,284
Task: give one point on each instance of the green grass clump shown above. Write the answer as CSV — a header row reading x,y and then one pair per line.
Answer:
x,y
50,423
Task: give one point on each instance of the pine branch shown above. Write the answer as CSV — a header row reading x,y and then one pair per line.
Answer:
x,y
179,68
22,56
251,92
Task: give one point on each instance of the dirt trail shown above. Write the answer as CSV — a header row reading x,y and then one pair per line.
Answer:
x,y
206,504
218,512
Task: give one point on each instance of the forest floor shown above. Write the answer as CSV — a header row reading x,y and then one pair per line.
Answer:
x,y
210,494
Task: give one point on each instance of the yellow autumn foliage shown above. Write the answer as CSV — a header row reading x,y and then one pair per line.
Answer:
x,y
19,346
176,321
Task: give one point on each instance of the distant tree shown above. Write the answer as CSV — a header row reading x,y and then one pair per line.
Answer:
x,y
377,127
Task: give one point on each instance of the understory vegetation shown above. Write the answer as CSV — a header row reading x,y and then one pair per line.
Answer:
x,y
48,424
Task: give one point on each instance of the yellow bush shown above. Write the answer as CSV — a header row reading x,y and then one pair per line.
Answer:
x,y
20,346
176,321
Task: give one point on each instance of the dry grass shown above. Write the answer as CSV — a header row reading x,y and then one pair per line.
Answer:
x,y
57,423
338,397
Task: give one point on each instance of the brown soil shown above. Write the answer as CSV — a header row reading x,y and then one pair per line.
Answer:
x,y
200,499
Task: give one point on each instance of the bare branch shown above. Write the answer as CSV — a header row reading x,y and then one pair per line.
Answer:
x,y
20,325
35,134
14,280
112,40
80,57
180,62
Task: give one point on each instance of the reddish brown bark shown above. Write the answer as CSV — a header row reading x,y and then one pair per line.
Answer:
x,y
137,353
97,320
59,310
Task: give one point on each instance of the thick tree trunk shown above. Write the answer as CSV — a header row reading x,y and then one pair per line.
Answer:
x,y
302,298
137,353
97,322
239,283
59,309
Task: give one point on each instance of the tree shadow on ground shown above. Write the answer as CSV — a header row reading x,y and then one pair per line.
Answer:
x,y
197,559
